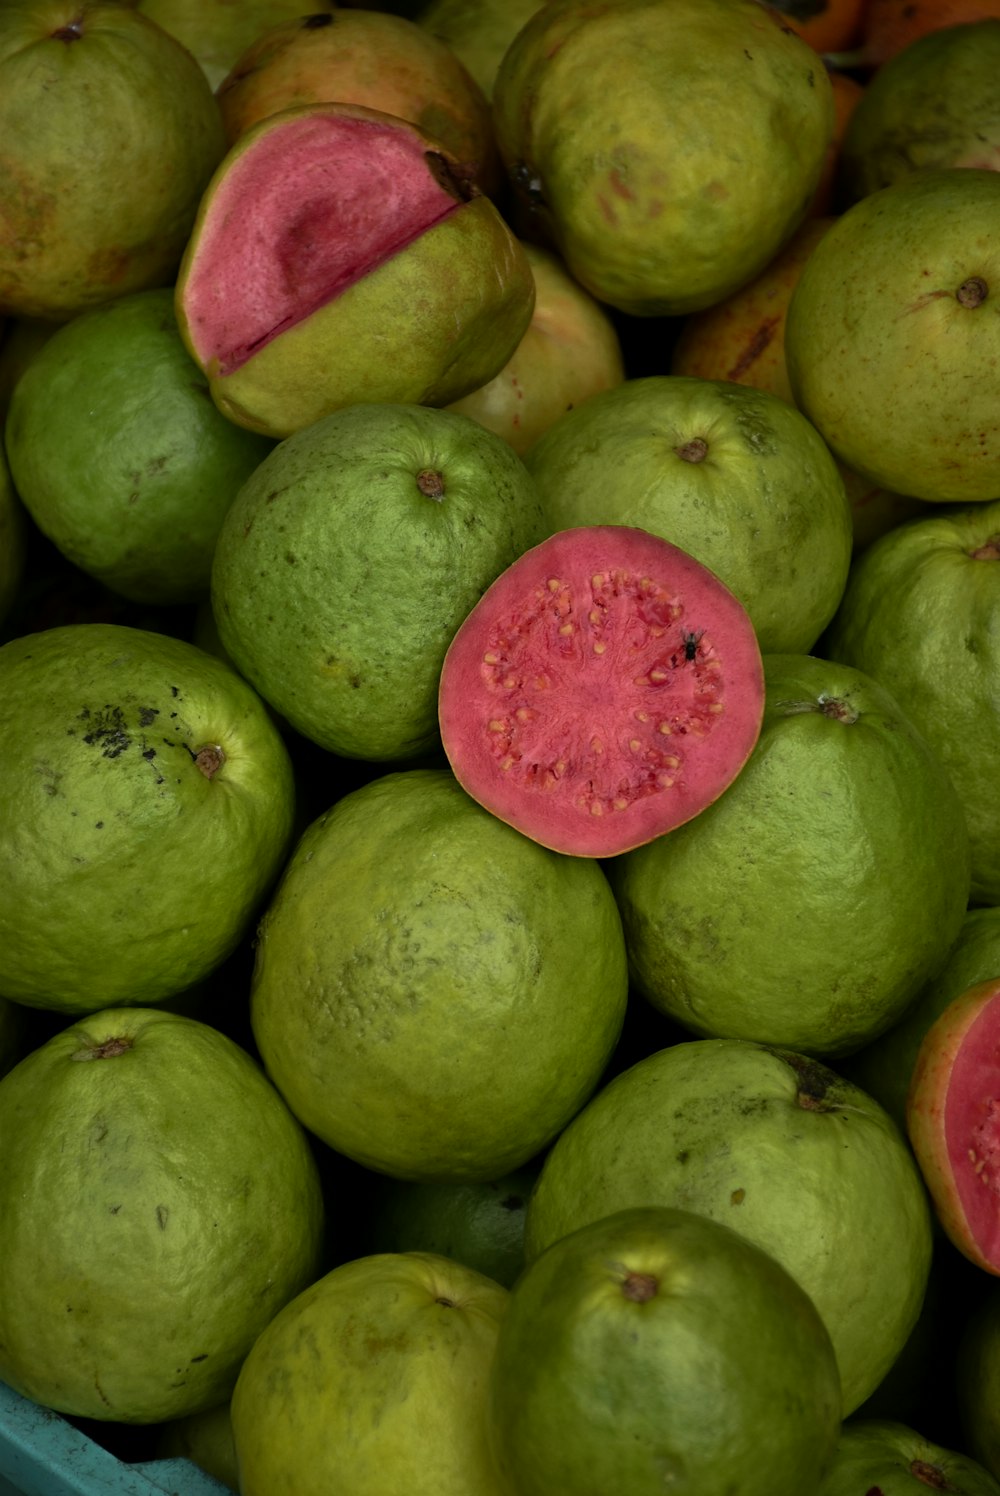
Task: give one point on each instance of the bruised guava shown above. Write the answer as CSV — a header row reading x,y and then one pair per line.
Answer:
x,y
605,688
953,1121
341,256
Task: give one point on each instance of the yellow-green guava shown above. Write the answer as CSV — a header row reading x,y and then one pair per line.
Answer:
x,y
478,31
811,902
109,132
131,484
434,994
919,615
656,1349
217,32
735,476
371,268
373,1381
158,1206
891,339
667,148
781,1149
146,806
348,560
884,1456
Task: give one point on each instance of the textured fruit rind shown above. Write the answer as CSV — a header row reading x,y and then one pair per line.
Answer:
x,y
605,689
953,1120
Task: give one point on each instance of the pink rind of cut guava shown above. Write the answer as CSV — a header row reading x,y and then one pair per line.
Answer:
x,y
606,688
306,204
953,1121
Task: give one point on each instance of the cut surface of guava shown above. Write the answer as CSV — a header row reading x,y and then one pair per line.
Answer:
x,y
972,1127
301,209
605,688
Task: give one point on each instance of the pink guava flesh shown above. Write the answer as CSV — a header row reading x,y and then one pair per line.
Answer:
x,y
605,689
972,1129
313,203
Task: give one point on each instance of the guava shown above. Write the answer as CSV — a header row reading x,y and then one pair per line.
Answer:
x,y
884,1067
919,615
371,268
434,994
477,31
351,556
733,475
827,25
977,1378
371,57
951,1119
666,194
132,484
158,1206
570,351
479,1223
887,26
146,806
603,690
108,134
217,32
373,1381
932,105
890,338
656,1349
206,1439
778,1147
809,905
883,1456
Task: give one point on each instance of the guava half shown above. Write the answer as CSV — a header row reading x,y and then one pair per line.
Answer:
x,y
606,688
953,1120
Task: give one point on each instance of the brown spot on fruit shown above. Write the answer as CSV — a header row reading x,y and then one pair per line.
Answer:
x,y
70,32
108,1049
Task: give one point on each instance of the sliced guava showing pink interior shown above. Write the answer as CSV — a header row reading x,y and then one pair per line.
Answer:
x,y
606,688
953,1119
308,203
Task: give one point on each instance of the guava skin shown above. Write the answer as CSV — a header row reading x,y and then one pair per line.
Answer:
x,y
717,144
182,1208
657,1348
217,32
146,805
373,1380
892,335
782,1150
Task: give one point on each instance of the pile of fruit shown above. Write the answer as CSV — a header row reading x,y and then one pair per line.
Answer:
x,y
499,736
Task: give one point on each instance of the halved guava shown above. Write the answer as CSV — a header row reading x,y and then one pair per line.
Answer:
x,y
605,688
953,1121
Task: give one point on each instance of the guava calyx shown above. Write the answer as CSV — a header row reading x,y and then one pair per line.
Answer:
x,y
695,450
988,551
972,292
71,32
640,1287
107,1049
306,208
209,759
930,1475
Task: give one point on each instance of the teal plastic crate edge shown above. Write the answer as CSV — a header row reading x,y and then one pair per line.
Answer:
x,y
42,1454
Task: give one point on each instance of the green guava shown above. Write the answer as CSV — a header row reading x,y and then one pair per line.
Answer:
x,y
109,132
884,1067
603,690
434,994
146,806
158,1206
775,1145
479,1223
806,907
934,104
977,1378
919,614
131,484
373,1381
656,1349
883,1456
734,475
372,268
570,352
890,338
665,193
350,557
218,32
477,31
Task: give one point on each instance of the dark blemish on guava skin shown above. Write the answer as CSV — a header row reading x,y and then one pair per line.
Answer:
x,y
147,715
162,1214
109,732
195,1359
